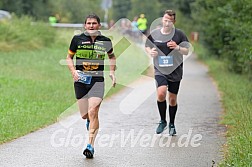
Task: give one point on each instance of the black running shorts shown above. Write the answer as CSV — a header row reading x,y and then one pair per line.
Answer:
x,y
94,89
161,80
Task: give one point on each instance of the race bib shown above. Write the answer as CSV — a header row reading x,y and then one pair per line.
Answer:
x,y
84,78
165,61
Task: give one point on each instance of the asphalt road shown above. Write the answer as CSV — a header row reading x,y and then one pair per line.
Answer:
x,y
127,130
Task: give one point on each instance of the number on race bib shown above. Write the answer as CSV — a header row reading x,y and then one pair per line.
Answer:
x,y
84,78
165,61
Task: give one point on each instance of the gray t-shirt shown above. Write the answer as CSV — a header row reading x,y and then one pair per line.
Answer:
x,y
174,69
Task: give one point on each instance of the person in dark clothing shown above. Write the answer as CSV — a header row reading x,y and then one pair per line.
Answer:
x,y
90,49
167,45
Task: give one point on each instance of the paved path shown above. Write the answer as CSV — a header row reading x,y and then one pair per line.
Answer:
x,y
127,136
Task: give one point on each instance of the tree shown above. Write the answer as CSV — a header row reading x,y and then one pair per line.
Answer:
x,y
226,30
75,11
37,9
121,9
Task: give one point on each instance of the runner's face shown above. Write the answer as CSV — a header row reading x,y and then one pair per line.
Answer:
x,y
168,21
92,25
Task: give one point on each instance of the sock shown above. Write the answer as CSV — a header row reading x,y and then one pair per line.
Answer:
x,y
172,113
162,109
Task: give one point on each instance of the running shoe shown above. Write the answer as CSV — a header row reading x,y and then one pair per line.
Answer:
x,y
172,130
161,127
89,151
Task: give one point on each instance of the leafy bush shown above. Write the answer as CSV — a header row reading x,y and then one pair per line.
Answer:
x,y
226,30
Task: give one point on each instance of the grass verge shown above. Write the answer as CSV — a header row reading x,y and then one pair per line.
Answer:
x,y
24,34
236,91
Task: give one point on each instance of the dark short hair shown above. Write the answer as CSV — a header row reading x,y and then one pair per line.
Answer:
x,y
92,16
171,13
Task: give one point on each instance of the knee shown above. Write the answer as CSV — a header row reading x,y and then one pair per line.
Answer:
x,y
161,97
172,101
85,116
93,112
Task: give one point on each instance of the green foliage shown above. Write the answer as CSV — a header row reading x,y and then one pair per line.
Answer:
x,y
66,11
237,103
226,30
204,18
22,34
75,11
184,6
35,9
236,100
121,9
240,45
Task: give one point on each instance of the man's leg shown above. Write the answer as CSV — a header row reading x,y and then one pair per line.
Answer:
x,y
162,106
83,107
161,101
173,91
93,109
172,106
80,92
173,88
172,112
161,83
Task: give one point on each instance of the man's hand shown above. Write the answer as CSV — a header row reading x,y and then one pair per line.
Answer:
x,y
153,52
75,75
172,45
113,78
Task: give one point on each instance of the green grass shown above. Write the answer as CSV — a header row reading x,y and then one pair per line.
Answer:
x,y
36,90
21,34
236,91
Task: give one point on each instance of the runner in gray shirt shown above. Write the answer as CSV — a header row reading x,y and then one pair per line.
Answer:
x,y
167,45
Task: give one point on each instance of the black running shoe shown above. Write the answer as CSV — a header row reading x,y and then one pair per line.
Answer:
x,y
172,130
161,127
89,151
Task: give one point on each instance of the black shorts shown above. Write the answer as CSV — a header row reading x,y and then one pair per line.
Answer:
x,y
94,89
161,80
